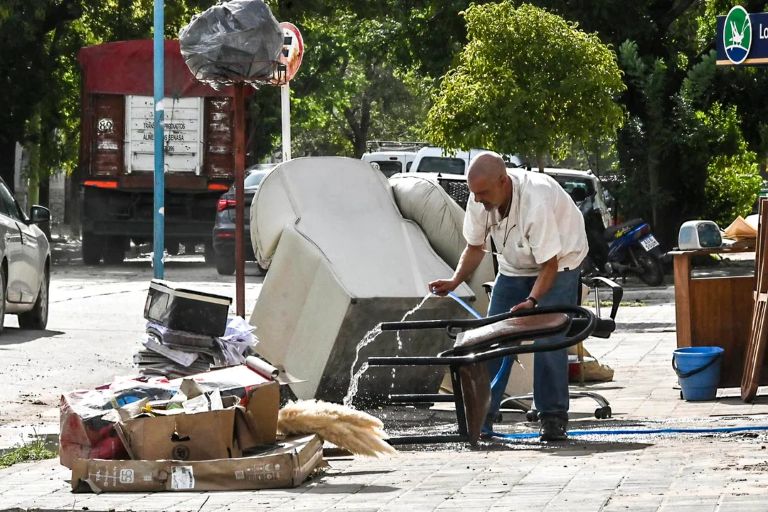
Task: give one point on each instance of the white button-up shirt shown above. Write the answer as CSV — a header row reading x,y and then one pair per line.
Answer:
x,y
543,222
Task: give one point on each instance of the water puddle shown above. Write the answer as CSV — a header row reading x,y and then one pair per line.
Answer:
x,y
370,336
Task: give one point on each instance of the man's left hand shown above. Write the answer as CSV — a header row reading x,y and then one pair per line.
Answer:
x,y
526,304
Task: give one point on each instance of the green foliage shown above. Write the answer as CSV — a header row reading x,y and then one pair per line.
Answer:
x,y
36,450
733,183
732,175
349,89
504,96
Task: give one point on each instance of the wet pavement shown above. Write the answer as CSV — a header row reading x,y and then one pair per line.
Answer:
x,y
660,466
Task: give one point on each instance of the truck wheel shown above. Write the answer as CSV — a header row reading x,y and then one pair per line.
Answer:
x,y
37,317
225,265
93,246
114,250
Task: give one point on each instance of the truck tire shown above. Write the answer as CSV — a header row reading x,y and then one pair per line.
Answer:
x,y
92,248
114,250
225,265
37,317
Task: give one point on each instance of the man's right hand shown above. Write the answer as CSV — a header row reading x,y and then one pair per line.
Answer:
x,y
443,286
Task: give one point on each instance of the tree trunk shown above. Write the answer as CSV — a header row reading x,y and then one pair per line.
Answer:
x,y
8,162
44,191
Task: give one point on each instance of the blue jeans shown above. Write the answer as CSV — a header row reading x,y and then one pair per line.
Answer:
x,y
550,369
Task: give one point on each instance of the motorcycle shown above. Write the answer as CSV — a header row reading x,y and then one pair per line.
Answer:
x,y
628,248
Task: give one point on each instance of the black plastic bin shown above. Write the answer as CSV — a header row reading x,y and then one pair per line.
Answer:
x,y
186,310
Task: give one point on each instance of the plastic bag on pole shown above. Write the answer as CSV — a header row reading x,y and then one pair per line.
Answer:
x,y
236,41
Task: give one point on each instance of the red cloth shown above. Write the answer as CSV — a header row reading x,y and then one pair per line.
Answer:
x,y
126,67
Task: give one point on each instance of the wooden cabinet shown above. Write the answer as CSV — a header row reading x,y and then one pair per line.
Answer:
x,y
715,311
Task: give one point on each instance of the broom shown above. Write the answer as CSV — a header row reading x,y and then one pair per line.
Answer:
x,y
354,431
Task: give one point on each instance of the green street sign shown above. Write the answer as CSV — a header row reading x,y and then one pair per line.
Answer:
x,y
737,35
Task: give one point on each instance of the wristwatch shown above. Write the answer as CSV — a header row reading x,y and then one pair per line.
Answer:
x,y
533,300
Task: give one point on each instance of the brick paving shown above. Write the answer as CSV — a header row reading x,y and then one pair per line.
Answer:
x,y
680,473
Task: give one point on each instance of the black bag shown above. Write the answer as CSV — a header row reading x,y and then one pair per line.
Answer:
x,y
235,41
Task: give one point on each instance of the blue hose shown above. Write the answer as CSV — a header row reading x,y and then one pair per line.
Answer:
x,y
635,432
466,306
506,362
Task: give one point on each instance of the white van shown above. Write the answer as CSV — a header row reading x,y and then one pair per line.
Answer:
x,y
437,160
390,162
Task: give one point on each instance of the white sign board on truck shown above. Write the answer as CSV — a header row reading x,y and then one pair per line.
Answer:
x,y
183,134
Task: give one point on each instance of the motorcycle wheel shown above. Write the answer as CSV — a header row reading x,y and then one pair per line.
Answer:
x,y
651,272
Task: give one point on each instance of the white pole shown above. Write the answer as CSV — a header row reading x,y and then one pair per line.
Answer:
x,y
285,101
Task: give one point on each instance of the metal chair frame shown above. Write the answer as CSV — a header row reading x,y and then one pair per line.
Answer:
x,y
582,323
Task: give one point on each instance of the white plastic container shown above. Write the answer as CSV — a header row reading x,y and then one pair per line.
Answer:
x,y
699,234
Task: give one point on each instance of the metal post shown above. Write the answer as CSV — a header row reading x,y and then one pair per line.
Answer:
x,y
239,199
285,103
158,246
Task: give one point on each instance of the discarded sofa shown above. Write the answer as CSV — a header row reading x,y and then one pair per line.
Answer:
x,y
342,259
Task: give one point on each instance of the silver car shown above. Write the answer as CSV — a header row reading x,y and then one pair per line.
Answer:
x,y
25,262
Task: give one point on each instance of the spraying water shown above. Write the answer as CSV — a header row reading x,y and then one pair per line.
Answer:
x,y
354,380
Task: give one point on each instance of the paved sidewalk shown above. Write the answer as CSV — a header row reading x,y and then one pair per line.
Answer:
x,y
671,472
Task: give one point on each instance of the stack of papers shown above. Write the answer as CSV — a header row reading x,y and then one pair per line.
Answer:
x,y
173,354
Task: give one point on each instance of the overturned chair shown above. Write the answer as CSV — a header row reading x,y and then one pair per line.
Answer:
x,y
477,341
593,285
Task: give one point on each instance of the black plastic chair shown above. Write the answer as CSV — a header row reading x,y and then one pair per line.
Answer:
x,y
603,410
477,341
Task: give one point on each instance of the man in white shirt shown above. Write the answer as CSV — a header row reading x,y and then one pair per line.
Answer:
x,y
539,234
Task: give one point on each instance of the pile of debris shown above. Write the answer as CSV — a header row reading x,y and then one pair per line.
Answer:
x,y
188,332
214,430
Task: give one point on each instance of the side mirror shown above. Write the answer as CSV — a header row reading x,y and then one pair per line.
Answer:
x,y
39,214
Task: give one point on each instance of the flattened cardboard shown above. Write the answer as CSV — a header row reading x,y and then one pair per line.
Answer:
x,y
288,465
184,437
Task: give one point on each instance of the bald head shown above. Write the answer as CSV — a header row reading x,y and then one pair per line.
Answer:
x,y
487,165
488,181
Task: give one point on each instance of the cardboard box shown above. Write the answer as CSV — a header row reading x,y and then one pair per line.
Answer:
x,y
256,424
201,436
87,420
288,465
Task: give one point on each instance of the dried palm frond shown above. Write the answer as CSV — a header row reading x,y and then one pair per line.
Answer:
x,y
355,431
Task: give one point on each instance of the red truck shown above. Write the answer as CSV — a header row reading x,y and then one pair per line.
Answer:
x,y
117,150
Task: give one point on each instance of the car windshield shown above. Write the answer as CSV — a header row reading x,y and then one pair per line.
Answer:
x,y
570,183
254,178
389,167
442,165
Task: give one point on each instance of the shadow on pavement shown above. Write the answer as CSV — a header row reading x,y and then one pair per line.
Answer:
x,y
12,336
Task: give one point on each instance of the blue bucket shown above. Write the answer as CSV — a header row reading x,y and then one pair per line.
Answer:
x,y
698,371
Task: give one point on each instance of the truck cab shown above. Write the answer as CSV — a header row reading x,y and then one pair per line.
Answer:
x,y
437,160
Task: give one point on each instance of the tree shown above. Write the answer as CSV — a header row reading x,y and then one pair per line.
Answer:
x,y
27,65
349,89
504,96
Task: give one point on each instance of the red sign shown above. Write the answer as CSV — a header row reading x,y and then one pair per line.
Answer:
x,y
293,51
